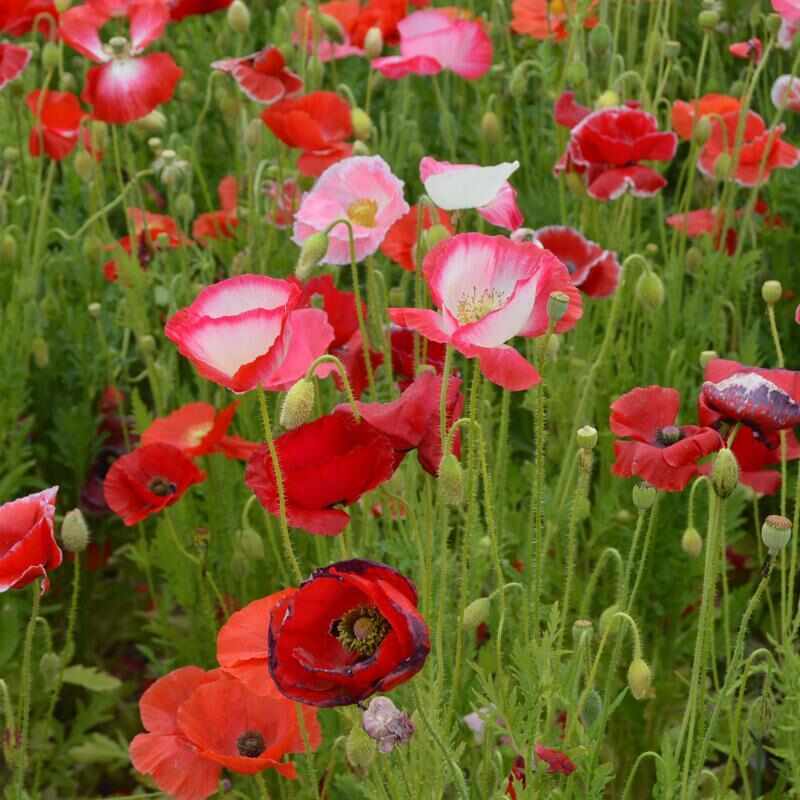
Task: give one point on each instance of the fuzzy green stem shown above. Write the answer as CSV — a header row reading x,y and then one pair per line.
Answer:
x,y
25,691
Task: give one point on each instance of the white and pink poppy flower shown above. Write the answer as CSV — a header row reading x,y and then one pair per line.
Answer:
x,y
490,289
127,85
247,331
434,40
13,60
486,189
786,93
262,76
360,189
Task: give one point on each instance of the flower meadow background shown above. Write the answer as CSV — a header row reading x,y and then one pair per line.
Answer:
x,y
398,399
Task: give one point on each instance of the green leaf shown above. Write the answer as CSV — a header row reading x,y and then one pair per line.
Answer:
x,y
9,629
91,678
140,412
99,749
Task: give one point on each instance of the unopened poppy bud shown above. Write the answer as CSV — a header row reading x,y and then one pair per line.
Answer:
x,y
694,259
586,437
331,27
384,722
592,708
552,347
360,148
360,750
491,131
239,17
484,545
773,22
761,716
315,71
253,133
607,100
362,124
725,473
8,248
154,122
156,145
98,132
639,678
702,130
557,306
708,19
577,73
707,356
722,166
147,344
240,564
94,310
184,205
10,155
40,352
74,531
582,629
251,544
692,543
92,249
311,253
649,290
373,42
518,83
84,166
776,533
50,668
600,40
433,236
298,405
51,55
451,480
476,613
644,495
771,291
607,619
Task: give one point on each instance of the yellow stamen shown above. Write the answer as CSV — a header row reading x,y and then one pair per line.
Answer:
x,y
363,212
474,306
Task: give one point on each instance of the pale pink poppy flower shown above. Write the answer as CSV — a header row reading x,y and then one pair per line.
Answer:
x,y
486,189
434,40
787,32
788,9
490,289
247,331
786,93
361,189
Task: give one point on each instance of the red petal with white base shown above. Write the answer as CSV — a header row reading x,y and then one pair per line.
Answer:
x,y
425,322
148,22
13,60
639,181
245,293
503,211
505,367
396,67
80,27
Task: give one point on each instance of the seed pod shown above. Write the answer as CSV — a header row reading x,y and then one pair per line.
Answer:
x,y
776,533
557,306
74,531
708,19
587,437
581,629
707,356
644,495
608,99
771,291
451,480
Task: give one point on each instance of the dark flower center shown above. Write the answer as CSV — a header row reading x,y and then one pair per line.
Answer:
x,y
144,252
161,487
361,630
669,435
250,744
571,266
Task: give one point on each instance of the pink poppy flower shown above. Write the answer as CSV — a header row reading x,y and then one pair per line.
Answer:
x,y
788,9
247,331
787,33
593,270
490,289
13,60
361,189
786,93
262,76
126,86
486,189
434,40
751,50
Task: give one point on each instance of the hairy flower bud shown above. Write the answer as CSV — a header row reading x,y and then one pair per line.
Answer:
x,y
184,205
147,344
433,236
776,533
771,291
476,613
694,259
40,352
607,619
722,166
74,531
491,130
600,40
8,249
592,708
50,668
298,405
251,544
644,495
692,543
576,73
649,290
311,253
51,55
253,134
373,43
362,124
239,17
84,166
451,480
518,83
725,473
639,679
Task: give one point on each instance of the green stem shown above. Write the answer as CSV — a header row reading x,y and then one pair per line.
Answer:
x,y
25,691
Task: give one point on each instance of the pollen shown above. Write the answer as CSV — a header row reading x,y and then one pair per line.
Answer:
x,y
363,212
361,630
473,306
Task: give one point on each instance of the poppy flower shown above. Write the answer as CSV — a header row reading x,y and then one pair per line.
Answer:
x,y
686,115
759,145
345,13
751,50
386,16
284,200
318,124
127,85
148,480
17,17
787,32
401,240
545,19
486,189
490,289
329,462
656,449
262,76
197,429
219,224
361,189
13,60
434,40
557,762
180,9
28,546
789,10
350,630
607,148
785,93
517,775
568,113
339,307
593,270
58,123
247,331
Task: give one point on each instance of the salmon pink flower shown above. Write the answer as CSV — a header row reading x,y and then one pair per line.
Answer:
x,y
13,60
490,289
331,461
786,93
486,189
262,76
686,115
655,448
247,331
361,189
28,546
751,50
127,85
219,224
59,116
401,240
349,631
546,19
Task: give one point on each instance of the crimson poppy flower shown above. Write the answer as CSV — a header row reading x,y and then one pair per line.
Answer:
x,y
331,461
400,242
546,19
762,150
127,85
350,630
317,124
13,60
686,115
59,116
339,306
27,544
751,50
262,76
557,762
219,224
180,9
593,270
656,449
147,480
607,148
568,113
17,17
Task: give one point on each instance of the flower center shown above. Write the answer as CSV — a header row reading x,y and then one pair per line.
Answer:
x,y
474,306
250,744
119,47
161,487
363,212
669,435
361,630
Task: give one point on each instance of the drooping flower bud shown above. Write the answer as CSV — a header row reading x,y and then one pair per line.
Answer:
x,y
577,73
251,544
311,253
74,531
776,533
692,543
702,130
639,679
253,134
84,166
582,629
184,205
451,480
50,668
725,473
491,130
51,55
8,248
592,708
155,122
644,495
600,40
373,42
771,291
722,166
40,352
239,17
360,750
384,722
518,83
147,344
332,28
362,124
476,613
434,235
298,405
649,290
607,618
608,99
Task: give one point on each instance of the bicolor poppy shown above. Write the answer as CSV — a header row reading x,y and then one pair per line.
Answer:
x,y
220,224
786,93
13,60
17,17
339,307
262,76
400,242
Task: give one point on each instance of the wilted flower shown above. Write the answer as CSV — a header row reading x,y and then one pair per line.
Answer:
x,y
386,724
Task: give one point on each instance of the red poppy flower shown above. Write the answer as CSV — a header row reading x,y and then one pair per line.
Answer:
x,y
545,19
197,429
381,14
557,762
147,480
657,450
127,85
13,60
180,9
686,115
340,307
331,461
751,50
262,76
219,224
27,545
607,147
17,17
351,630
758,144
318,124
59,116
593,270
400,242
568,113
517,775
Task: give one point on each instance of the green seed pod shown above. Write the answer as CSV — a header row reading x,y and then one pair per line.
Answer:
x,y
639,679
62,5
582,631
557,307
692,543
708,19
776,533
298,405
586,437
725,473
451,480
74,531
476,613
600,41
644,495
773,22
576,73
362,124
771,291
649,291
147,344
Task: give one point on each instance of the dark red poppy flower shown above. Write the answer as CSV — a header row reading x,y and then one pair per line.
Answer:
x,y
340,307
331,461
607,148
318,124
59,116
198,429
517,775
147,480
751,50
762,150
180,9
28,546
657,450
400,242
262,76
686,115
17,17
13,60
350,630
557,762
593,270
219,224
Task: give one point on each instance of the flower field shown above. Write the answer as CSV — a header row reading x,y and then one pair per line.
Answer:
x,y
399,399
